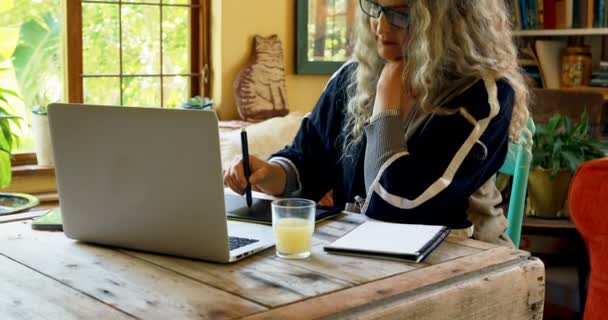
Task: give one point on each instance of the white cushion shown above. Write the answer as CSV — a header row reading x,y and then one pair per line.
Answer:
x,y
265,138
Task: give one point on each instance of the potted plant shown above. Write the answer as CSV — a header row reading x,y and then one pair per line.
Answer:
x,y
197,103
41,134
560,146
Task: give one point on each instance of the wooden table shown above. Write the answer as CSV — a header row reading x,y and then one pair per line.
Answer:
x,y
45,275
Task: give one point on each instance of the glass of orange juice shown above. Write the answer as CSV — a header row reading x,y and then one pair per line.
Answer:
x,y
293,222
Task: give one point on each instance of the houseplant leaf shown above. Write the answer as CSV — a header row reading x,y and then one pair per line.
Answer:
x,y
6,141
582,128
5,168
553,123
573,160
8,42
557,146
4,91
566,126
555,166
562,144
6,134
7,137
36,55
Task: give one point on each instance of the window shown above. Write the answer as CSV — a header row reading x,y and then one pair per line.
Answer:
x,y
129,52
136,52
31,61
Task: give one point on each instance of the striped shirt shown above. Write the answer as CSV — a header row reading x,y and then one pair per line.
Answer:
x,y
425,178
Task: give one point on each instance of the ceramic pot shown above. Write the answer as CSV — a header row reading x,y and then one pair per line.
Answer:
x,y
546,195
42,139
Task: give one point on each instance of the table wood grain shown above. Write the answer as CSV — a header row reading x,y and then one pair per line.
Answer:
x,y
44,275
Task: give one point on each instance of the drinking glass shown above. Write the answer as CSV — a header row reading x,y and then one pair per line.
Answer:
x,y
293,222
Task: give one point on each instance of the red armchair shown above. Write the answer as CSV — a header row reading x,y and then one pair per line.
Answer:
x,y
588,202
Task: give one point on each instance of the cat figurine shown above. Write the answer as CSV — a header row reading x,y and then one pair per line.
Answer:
x,y
259,88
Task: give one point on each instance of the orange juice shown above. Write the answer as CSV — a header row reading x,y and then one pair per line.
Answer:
x,y
293,235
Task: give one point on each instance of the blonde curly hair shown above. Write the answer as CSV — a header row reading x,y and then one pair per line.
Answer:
x,y
452,43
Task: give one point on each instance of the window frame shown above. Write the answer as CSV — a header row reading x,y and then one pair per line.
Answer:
x,y
199,49
199,64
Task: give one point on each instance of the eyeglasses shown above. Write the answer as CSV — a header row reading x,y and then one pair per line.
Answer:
x,y
396,18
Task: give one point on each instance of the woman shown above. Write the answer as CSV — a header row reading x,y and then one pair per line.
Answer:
x,y
414,129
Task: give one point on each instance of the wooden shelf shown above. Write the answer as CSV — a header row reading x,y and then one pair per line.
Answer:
x,y
601,90
561,32
32,179
533,222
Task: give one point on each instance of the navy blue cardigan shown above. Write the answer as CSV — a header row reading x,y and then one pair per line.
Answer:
x,y
316,153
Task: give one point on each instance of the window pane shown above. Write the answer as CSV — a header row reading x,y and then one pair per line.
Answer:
x,y
101,90
175,91
100,39
176,52
141,91
141,39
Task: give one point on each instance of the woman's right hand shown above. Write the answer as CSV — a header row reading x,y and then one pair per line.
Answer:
x,y
266,177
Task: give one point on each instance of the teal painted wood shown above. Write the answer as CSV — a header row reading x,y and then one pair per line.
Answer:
x,y
517,164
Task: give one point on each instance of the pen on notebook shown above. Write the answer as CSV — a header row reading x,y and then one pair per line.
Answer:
x,y
246,167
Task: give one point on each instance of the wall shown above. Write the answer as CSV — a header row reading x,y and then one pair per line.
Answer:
x,y
233,25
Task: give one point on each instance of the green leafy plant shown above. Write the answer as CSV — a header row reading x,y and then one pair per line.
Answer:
x,y
37,62
560,144
7,135
9,123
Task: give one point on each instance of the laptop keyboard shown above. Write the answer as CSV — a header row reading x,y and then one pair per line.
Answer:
x,y
236,242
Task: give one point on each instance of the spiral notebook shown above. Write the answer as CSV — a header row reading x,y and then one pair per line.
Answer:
x,y
412,242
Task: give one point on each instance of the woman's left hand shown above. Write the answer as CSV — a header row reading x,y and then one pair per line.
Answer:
x,y
390,91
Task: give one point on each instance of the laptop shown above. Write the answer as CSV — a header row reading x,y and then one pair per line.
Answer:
x,y
147,179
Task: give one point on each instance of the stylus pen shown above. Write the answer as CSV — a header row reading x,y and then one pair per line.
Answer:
x,y
246,167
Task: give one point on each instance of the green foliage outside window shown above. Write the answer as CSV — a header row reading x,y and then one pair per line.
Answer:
x,y
141,54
